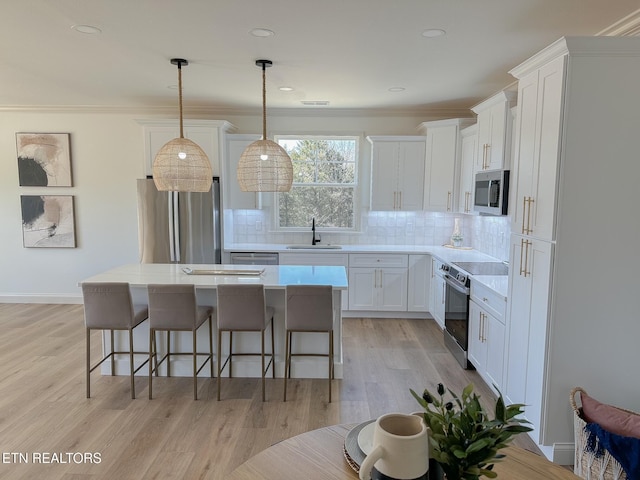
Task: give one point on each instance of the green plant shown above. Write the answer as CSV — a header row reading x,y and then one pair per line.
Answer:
x,y
463,439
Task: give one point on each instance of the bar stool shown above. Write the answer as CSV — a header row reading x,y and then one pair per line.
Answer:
x,y
308,308
242,308
108,306
174,308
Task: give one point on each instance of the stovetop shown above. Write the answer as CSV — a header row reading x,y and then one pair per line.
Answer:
x,y
483,268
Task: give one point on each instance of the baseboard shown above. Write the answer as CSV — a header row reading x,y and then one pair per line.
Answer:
x,y
378,314
48,298
564,453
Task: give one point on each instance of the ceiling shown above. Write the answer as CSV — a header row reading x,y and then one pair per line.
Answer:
x,y
346,52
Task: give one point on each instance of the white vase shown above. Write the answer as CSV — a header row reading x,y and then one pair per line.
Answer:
x,y
456,236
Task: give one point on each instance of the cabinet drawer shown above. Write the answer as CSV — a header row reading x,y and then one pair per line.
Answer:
x,y
492,302
378,261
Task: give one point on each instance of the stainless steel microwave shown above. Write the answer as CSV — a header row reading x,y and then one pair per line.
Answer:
x,y
491,192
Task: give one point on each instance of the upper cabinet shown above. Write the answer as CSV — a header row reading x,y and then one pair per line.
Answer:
x,y
537,149
469,153
397,178
494,131
442,163
234,198
208,134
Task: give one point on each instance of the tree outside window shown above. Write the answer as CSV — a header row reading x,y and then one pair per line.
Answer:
x,y
324,182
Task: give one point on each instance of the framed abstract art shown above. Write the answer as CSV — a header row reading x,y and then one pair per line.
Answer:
x,y
44,159
48,221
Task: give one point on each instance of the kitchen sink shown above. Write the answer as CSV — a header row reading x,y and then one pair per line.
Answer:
x,y
314,247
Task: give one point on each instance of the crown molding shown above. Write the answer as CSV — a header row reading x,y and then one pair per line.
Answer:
x,y
628,26
222,112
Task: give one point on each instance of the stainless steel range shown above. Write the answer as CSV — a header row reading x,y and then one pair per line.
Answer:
x,y
456,314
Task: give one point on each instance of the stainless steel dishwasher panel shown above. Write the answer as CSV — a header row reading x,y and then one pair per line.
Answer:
x,y
254,258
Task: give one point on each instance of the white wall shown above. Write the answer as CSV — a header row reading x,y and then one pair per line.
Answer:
x,y
106,151
107,158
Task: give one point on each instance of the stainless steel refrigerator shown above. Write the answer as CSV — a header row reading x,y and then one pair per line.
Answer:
x,y
179,227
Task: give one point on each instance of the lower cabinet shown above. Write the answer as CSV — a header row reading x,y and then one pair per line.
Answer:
x,y
378,282
419,283
487,334
437,297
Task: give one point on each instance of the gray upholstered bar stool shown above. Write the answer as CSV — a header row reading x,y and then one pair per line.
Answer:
x,y
173,308
308,308
243,308
108,306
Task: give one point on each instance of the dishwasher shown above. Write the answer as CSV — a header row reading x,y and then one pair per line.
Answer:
x,y
250,258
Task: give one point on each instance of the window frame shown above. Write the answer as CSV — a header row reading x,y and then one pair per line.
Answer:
x,y
356,185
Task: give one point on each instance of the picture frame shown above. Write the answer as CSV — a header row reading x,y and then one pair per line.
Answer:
x,y
44,159
48,221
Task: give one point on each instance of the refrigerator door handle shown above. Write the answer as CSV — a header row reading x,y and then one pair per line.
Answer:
x,y
174,227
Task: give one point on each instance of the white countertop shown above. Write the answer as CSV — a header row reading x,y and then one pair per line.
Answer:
x,y
497,283
446,254
273,276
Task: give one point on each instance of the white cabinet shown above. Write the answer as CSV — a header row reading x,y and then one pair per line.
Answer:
x,y
378,282
469,152
442,163
208,134
575,175
494,131
438,286
529,287
233,196
535,169
419,283
397,178
487,333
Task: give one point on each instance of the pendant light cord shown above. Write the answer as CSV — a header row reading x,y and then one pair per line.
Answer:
x,y
264,102
180,96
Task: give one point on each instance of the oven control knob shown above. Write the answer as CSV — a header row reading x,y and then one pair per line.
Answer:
x,y
444,268
461,278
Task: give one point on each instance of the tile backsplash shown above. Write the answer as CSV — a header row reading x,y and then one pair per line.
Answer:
x,y
487,234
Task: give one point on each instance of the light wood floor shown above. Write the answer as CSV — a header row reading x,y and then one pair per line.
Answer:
x,y
43,409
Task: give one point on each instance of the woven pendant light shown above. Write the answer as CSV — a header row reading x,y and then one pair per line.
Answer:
x,y
264,165
181,165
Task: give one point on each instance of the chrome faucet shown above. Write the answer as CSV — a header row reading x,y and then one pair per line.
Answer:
x,y
314,240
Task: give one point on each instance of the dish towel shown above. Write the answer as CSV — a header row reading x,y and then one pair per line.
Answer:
x,y
626,450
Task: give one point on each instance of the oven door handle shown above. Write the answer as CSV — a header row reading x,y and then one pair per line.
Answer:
x,y
456,286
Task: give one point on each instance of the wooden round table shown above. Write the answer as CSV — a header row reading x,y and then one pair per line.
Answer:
x,y
318,455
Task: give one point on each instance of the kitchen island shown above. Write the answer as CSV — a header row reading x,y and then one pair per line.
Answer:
x,y
205,278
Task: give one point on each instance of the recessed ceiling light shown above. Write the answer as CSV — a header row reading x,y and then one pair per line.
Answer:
x,y
262,32
88,29
286,89
397,89
433,32
315,103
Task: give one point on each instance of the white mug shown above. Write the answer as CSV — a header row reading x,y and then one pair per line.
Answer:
x,y
400,449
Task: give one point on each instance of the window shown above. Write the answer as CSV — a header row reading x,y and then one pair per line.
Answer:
x,y
324,182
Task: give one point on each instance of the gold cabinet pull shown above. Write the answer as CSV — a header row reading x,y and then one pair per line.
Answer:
x,y
448,201
529,202
524,245
399,200
484,326
524,213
